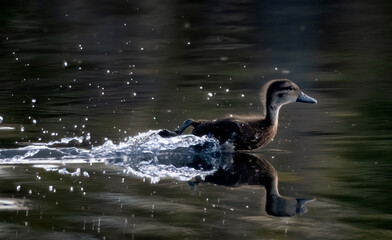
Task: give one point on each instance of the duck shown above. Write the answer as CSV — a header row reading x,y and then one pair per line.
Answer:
x,y
249,132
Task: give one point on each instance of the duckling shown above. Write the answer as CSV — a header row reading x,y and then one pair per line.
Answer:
x,y
247,133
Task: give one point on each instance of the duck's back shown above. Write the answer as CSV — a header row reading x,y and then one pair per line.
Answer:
x,y
245,134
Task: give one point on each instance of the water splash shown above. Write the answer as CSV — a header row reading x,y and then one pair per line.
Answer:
x,y
146,155
151,142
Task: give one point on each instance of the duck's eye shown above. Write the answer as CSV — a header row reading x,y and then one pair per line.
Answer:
x,y
289,88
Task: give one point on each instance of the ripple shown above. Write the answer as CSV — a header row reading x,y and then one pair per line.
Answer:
x,y
13,204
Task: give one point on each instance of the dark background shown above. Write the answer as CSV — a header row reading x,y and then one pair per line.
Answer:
x,y
112,69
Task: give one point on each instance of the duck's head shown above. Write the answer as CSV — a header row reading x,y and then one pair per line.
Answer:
x,y
282,91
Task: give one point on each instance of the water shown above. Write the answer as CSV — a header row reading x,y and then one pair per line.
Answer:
x,y
85,87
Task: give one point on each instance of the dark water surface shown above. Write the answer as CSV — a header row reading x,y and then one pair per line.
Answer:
x,y
101,72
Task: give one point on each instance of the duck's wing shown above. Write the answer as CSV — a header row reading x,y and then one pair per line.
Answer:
x,y
216,128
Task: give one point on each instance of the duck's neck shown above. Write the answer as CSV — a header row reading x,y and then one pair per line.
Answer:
x,y
272,114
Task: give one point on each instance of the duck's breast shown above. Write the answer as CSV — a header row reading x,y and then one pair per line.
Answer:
x,y
264,135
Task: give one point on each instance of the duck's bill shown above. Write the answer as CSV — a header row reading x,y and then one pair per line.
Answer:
x,y
306,99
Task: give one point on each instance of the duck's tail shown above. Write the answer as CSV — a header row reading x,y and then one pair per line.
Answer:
x,y
185,125
167,133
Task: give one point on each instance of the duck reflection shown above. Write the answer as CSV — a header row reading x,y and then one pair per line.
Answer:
x,y
248,169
